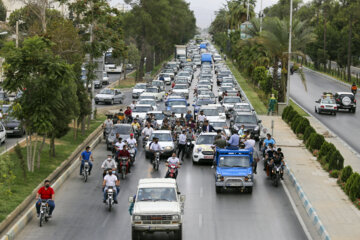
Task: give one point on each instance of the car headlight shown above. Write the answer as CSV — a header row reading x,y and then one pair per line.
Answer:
x,y
256,128
137,218
175,217
169,148
16,128
219,177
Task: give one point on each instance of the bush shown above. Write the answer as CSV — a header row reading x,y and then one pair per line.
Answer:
x,y
346,173
308,131
336,161
295,122
354,187
290,115
334,173
259,75
312,135
350,181
300,129
294,116
328,155
286,111
316,141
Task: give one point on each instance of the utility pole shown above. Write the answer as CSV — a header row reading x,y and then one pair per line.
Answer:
x,y
261,15
17,34
289,59
248,11
92,81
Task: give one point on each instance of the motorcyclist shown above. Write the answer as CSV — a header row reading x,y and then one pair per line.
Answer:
x,y
86,156
182,144
279,160
241,131
354,88
132,141
45,193
147,131
155,147
172,119
165,125
124,153
154,122
173,160
121,115
128,113
107,125
111,180
201,117
132,105
269,154
136,125
191,124
267,141
109,163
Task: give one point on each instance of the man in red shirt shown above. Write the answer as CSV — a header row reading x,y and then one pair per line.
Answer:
x,y
128,113
45,193
125,154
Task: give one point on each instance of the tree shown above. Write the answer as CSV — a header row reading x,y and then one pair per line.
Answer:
x,y
2,11
42,76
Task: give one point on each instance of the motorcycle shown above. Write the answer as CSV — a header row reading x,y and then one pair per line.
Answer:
x,y
188,147
353,91
110,197
44,212
136,133
132,153
123,166
156,161
276,172
106,132
145,139
85,171
172,171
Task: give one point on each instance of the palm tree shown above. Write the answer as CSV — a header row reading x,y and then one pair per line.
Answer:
x,y
238,12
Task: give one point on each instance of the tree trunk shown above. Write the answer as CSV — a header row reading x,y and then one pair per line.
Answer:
x,y
83,126
39,151
88,123
43,6
34,154
75,128
149,61
124,70
28,156
325,58
349,55
52,146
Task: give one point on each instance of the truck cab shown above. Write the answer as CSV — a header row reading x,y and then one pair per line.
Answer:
x,y
157,206
234,169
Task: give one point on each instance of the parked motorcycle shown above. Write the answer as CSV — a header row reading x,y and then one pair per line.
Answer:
x,y
85,171
132,153
44,212
110,197
123,166
156,161
172,171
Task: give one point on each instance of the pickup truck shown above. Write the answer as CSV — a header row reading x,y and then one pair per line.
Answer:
x,y
156,207
234,169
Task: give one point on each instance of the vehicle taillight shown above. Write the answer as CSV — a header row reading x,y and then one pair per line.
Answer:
x,y
335,107
338,100
322,106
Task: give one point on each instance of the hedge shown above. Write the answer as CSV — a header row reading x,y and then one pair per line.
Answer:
x,y
308,131
346,173
294,115
328,155
295,122
352,187
300,129
334,173
286,111
336,161
326,147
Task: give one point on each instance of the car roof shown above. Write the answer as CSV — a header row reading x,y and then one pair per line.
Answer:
x,y
162,131
147,99
208,133
142,105
243,103
178,106
176,98
208,107
231,97
156,182
245,113
347,93
155,112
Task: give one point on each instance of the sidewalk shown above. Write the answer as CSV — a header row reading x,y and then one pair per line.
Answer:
x,y
339,216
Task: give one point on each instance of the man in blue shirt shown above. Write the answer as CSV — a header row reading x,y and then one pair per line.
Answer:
x,y
233,141
86,156
266,142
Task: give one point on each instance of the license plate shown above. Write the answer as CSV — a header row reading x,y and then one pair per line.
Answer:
x,y
234,184
9,131
209,157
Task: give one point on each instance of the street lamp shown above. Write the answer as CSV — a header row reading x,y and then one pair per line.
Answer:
x,y
289,58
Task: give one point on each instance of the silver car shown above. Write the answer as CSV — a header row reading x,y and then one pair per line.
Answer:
x,y
109,96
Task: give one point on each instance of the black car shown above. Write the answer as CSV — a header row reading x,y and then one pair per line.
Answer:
x,y
250,122
345,100
12,125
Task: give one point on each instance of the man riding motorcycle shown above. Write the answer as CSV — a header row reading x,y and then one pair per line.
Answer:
x,y
165,125
45,193
201,117
354,88
146,132
155,147
172,119
86,156
132,141
124,153
173,160
128,113
269,154
107,125
108,163
110,180
136,126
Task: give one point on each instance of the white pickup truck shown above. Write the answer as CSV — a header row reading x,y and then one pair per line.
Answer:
x,y
157,206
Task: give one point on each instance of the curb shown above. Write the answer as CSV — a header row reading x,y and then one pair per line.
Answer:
x,y
320,228
26,209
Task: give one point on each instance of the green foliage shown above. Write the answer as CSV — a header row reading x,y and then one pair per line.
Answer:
x,y
315,141
336,161
325,148
331,149
352,186
2,11
309,139
334,173
300,129
293,116
308,131
7,176
295,122
286,111
21,159
259,75
346,173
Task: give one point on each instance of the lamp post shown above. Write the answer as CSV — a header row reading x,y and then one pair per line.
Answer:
x,y
289,57
248,10
261,15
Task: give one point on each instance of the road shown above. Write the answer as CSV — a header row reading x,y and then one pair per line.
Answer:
x,y
344,123
80,213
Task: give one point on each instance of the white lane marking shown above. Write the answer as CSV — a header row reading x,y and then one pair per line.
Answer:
x,y
200,220
201,192
304,227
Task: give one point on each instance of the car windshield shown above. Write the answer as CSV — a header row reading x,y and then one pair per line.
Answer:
x,y
147,101
168,71
218,124
163,137
210,112
204,102
205,139
156,194
234,161
180,87
232,100
107,91
178,110
177,103
142,109
121,129
242,107
185,74
328,101
152,90
159,116
225,88
140,87
156,83
147,97
246,119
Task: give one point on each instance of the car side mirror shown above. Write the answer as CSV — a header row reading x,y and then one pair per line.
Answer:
x,y
317,101
131,199
182,198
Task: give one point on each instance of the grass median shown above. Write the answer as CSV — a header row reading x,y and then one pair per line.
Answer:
x,y
250,92
21,188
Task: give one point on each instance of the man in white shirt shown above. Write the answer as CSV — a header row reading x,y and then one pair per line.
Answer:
x,y
108,163
182,144
201,116
155,147
132,105
110,180
250,143
132,141
108,124
147,131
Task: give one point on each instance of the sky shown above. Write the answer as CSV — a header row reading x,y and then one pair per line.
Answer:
x,y
204,9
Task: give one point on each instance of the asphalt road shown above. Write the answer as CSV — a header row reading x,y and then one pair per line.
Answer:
x,y
10,141
344,123
80,213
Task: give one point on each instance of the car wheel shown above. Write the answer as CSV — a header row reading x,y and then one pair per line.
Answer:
x,y
218,189
353,110
315,110
96,102
249,189
178,234
135,235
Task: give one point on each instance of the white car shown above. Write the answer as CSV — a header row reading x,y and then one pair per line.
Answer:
x,y
178,110
138,89
326,105
140,111
203,150
159,116
109,96
105,78
158,206
159,84
243,107
184,74
2,134
182,88
221,124
154,91
211,113
165,140
220,108
229,102
151,102
167,78
217,58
